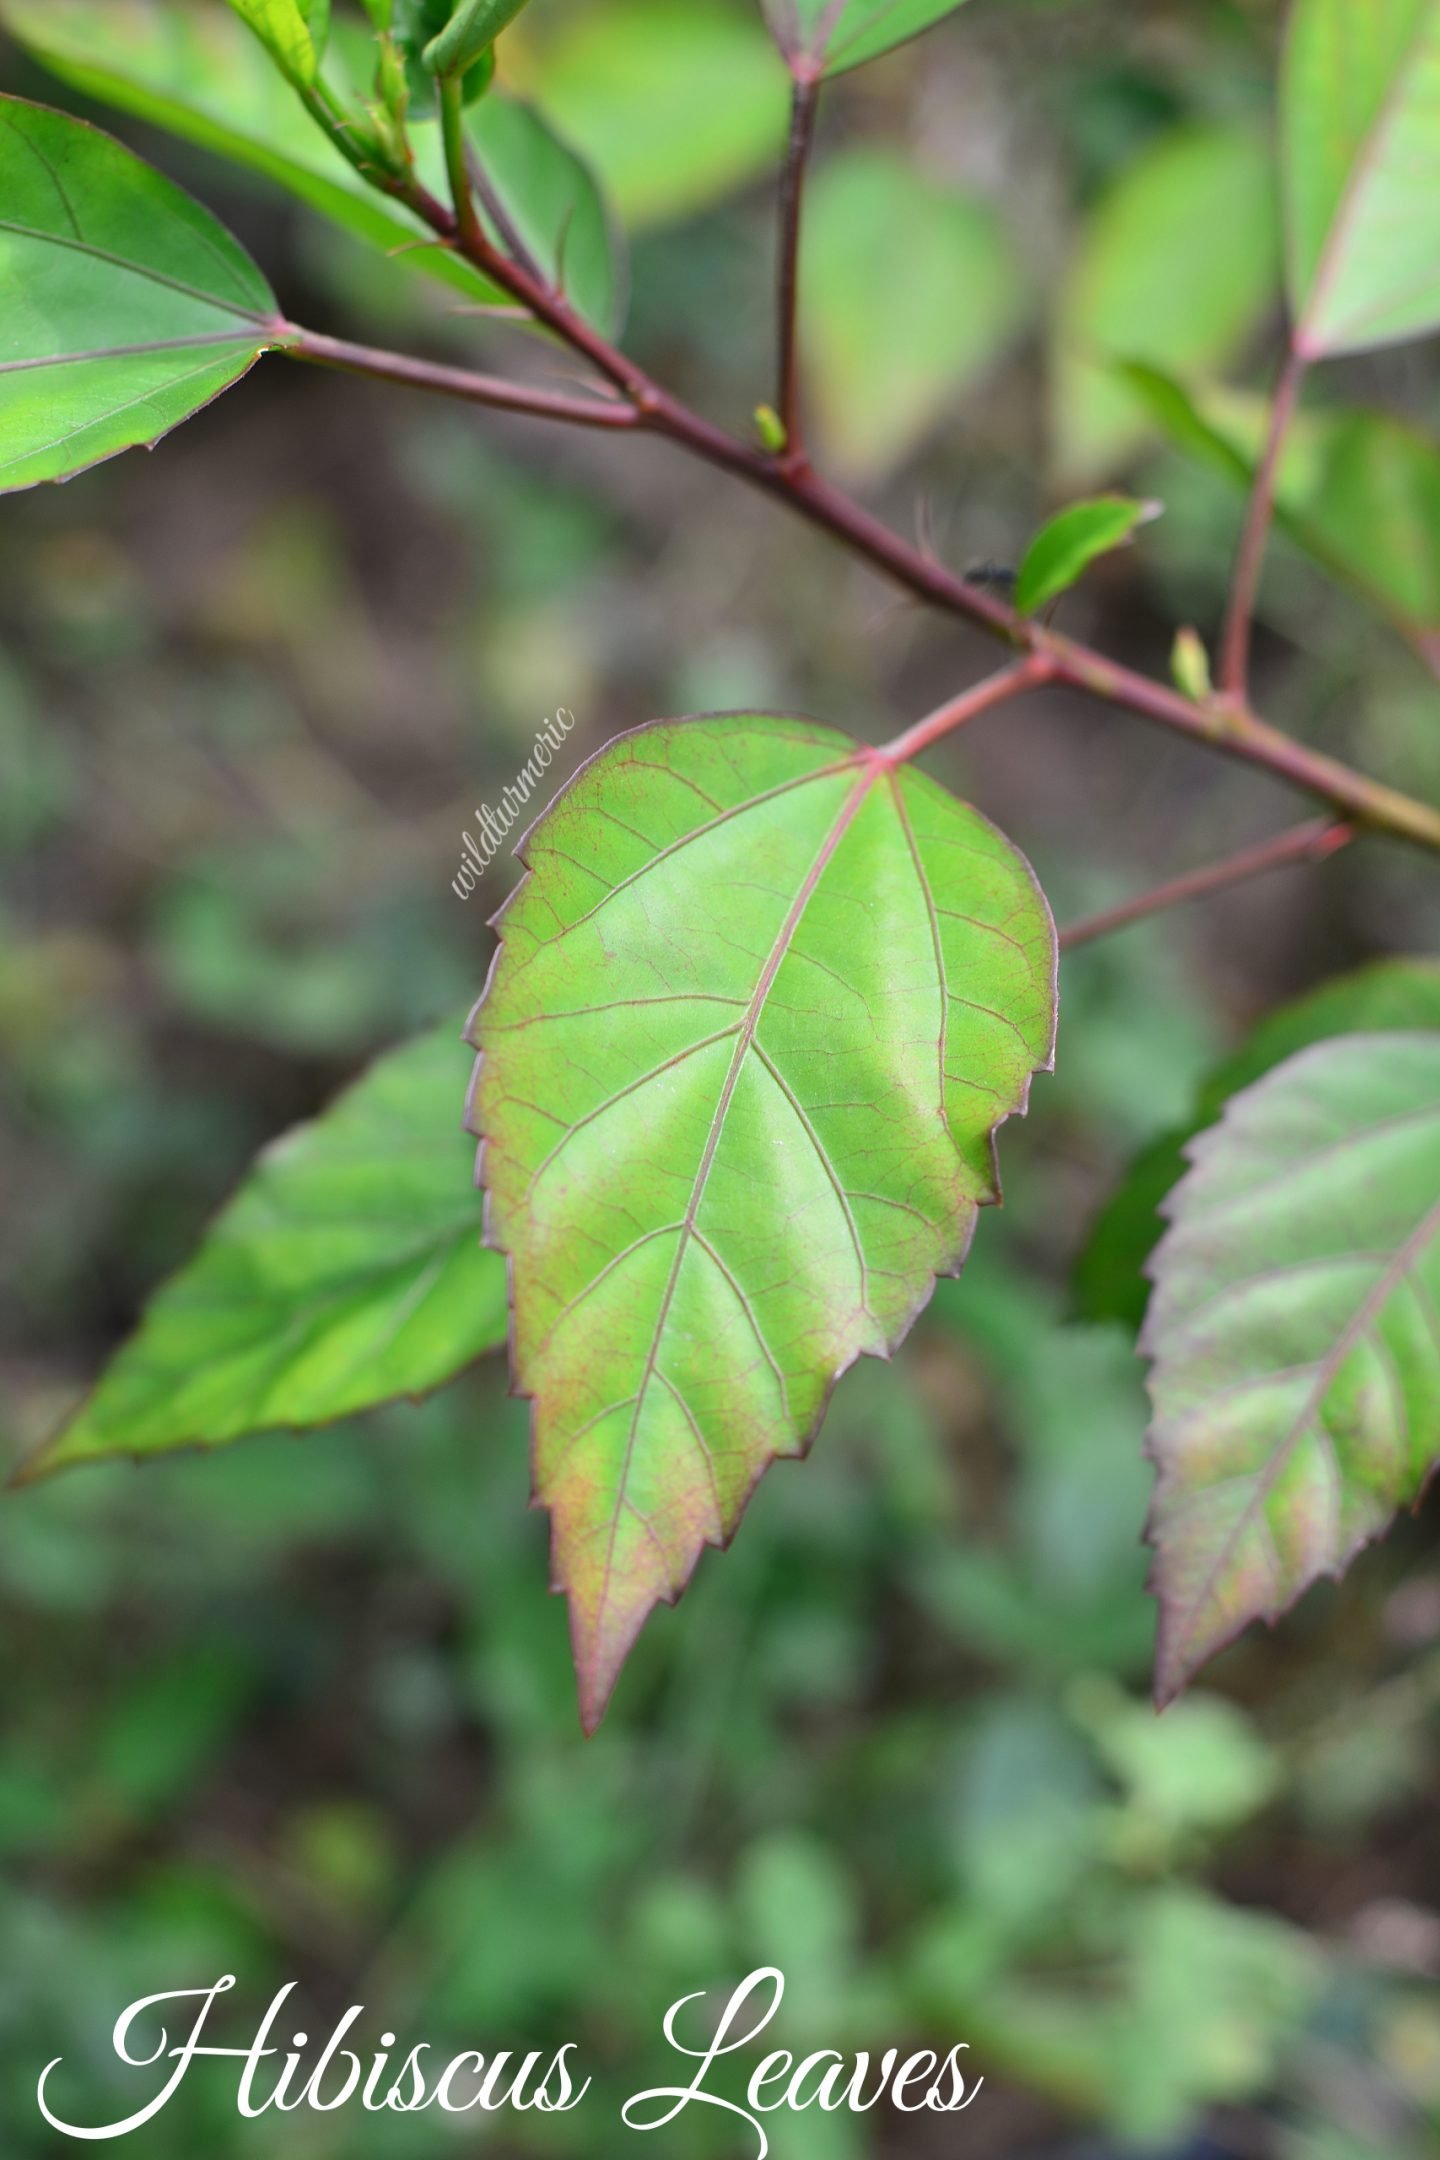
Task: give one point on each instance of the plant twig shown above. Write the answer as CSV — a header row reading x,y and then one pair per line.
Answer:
x,y
1313,842
1227,724
457,164
997,689
804,102
1250,560
367,157
493,204
492,390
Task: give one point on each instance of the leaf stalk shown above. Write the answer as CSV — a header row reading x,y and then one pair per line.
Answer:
x,y
997,689
1313,842
1250,560
805,99
491,390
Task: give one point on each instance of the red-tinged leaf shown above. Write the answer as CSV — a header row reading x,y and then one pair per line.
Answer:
x,y
1384,997
1360,151
1295,1334
759,1006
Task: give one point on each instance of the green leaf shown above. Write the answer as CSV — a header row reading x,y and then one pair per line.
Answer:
x,y
1368,506
730,1141
283,28
1360,130
1177,266
1063,550
911,291
128,307
347,1270
1295,1337
1358,490
552,201
472,29
829,36
1388,995
317,22
189,67
676,103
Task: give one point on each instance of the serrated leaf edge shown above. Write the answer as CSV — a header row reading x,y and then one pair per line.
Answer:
x,y
595,1703
1174,1672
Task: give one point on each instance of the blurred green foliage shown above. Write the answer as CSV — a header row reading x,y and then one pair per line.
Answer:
x,y
304,1710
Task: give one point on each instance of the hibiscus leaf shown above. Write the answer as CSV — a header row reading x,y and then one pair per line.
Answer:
x,y
759,1006
1295,1337
1387,996
1360,143
347,1270
127,305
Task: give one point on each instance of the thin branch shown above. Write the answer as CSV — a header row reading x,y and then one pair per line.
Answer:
x,y
805,99
492,390
493,204
1250,560
996,689
1314,842
1226,724
1238,733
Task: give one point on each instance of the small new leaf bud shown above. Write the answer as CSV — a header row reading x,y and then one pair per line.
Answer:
x,y
771,429
1190,666
392,87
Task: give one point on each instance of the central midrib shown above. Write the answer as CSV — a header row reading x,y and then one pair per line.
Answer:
x,y
1327,1371
1361,173
743,1044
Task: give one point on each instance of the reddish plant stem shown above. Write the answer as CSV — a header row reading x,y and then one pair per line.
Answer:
x,y
1226,724
492,203
1313,842
1250,560
997,689
805,99
489,390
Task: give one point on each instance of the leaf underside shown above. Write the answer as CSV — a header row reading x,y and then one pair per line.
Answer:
x,y
347,1271
1176,266
1295,1337
1361,151
906,283
759,1006
1385,997
127,306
